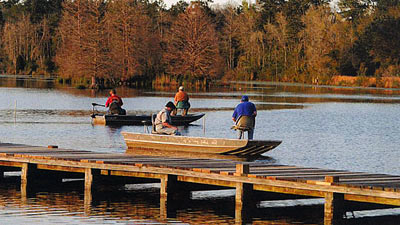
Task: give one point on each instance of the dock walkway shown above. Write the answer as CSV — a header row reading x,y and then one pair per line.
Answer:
x,y
178,174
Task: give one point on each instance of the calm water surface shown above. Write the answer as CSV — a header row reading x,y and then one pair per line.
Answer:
x,y
325,127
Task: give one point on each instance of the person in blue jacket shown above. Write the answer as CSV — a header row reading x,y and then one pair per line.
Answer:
x,y
244,117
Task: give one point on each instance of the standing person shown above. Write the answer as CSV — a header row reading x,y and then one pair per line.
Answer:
x,y
182,101
163,121
114,103
244,117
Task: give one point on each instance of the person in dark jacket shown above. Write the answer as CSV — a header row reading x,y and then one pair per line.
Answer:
x,y
244,117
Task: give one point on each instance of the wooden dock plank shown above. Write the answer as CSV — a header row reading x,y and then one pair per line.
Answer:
x,y
223,178
34,148
10,145
273,170
392,181
263,176
369,178
179,162
306,175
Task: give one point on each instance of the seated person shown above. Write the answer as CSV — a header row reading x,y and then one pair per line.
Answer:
x,y
182,101
162,122
114,103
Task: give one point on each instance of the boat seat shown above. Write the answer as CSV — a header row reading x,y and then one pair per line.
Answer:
x,y
236,127
244,123
153,123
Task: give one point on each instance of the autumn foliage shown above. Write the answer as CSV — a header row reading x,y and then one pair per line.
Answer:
x,y
104,43
192,46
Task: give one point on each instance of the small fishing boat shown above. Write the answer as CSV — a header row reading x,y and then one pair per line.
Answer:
x,y
105,119
198,145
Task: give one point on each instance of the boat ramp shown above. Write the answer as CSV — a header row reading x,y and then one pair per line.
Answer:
x,y
178,176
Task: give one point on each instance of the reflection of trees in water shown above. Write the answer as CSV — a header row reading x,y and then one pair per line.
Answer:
x,y
266,92
26,83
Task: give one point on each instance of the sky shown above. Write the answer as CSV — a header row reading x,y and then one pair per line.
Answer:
x,y
220,2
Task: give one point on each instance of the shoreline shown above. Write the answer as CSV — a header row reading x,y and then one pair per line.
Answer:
x,y
338,81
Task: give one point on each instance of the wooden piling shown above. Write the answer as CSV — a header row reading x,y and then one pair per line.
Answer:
x,y
163,208
171,192
243,197
334,204
165,185
27,174
242,190
88,179
91,176
87,198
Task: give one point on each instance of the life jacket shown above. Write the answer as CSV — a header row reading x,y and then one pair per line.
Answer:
x,y
115,99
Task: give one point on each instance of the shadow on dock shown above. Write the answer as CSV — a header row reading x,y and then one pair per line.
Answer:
x,y
185,155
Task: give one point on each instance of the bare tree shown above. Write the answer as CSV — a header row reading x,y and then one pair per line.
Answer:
x,y
26,45
321,38
252,42
81,50
230,36
192,46
133,46
279,41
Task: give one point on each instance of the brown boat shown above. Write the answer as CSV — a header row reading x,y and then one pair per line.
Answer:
x,y
203,145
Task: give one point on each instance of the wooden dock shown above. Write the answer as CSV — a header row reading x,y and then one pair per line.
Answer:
x,y
179,176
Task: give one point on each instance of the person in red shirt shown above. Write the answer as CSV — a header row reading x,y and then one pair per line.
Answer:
x,y
114,104
182,101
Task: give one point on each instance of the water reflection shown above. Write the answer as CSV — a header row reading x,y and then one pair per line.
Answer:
x,y
127,206
124,205
26,82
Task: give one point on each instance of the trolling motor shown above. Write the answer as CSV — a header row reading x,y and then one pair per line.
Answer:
x,y
94,107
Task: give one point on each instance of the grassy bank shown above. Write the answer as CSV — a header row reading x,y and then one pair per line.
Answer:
x,y
363,81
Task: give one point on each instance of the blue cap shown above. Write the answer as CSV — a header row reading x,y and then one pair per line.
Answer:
x,y
245,98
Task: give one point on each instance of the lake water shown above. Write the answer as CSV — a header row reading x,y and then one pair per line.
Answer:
x,y
325,127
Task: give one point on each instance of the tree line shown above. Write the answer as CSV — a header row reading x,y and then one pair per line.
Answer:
x,y
138,42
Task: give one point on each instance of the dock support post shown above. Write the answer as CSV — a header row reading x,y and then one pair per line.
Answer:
x,y
88,179
171,192
90,175
166,192
244,202
334,205
165,181
27,173
87,198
